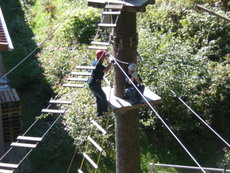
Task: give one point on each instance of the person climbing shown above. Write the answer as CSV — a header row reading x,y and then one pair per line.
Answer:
x,y
95,79
130,91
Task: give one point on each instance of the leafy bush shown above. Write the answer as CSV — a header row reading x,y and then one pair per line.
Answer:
x,y
81,27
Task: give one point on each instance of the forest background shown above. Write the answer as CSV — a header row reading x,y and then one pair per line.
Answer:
x,y
182,49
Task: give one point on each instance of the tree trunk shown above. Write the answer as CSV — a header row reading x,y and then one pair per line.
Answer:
x,y
127,123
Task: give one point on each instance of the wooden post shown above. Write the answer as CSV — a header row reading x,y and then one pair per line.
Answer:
x,y
127,122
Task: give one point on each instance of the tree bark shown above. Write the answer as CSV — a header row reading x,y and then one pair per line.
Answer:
x,y
126,123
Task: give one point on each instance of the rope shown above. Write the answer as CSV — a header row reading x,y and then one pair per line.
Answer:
x,y
102,144
71,162
47,38
178,140
201,119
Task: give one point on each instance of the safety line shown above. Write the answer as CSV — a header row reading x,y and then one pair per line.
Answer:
x,y
40,44
71,162
201,119
178,140
102,144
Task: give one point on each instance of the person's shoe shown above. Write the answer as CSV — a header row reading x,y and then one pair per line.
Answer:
x,y
99,114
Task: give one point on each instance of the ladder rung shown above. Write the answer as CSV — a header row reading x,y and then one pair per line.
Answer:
x,y
60,102
115,1
30,138
107,25
73,85
24,145
98,47
114,6
85,67
111,12
6,171
90,160
95,144
77,79
54,111
81,73
100,43
80,171
99,127
9,165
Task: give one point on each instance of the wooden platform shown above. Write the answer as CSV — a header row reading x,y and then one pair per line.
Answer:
x,y
119,104
5,40
129,5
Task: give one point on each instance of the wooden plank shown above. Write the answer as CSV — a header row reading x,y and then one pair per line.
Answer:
x,y
6,171
9,165
9,92
111,13
73,85
29,138
81,73
98,47
77,79
100,43
95,144
23,145
90,160
5,95
53,111
105,25
114,7
98,126
80,171
119,104
85,67
115,1
15,94
60,102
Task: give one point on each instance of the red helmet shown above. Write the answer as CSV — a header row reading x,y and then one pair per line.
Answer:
x,y
101,54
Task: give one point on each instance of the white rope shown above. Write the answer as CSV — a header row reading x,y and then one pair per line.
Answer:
x,y
178,140
47,38
202,120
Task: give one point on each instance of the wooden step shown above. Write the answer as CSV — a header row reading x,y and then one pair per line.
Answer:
x,y
85,67
98,126
59,102
80,171
53,111
106,25
77,79
73,85
98,47
29,138
114,6
81,73
111,12
9,165
100,43
115,1
90,160
95,144
6,171
23,145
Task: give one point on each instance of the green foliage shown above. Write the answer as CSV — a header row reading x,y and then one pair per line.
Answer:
x,y
82,27
183,50
178,47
